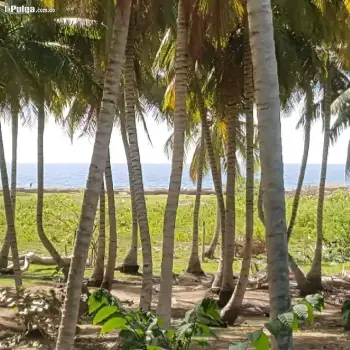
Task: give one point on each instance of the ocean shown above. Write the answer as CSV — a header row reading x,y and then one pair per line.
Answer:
x,y
156,176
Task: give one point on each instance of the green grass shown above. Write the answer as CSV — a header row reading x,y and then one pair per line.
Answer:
x,y
61,216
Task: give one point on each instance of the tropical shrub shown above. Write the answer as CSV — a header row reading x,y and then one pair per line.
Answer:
x,y
289,321
143,330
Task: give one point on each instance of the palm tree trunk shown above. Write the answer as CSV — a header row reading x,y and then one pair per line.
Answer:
x,y
309,112
130,264
268,112
14,119
210,252
299,276
112,248
40,194
181,67
10,220
194,264
217,183
314,276
69,317
261,202
227,285
230,312
141,209
97,276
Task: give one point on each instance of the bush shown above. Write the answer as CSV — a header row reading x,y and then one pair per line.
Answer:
x,y
143,330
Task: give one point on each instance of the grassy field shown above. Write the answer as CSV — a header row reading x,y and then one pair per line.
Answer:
x,y
61,215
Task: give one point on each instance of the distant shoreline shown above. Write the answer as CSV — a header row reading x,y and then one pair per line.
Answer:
x,y
309,190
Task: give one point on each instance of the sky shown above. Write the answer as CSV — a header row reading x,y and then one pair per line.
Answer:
x,y
59,149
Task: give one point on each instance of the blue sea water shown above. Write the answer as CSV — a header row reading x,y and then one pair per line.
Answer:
x,y
156,176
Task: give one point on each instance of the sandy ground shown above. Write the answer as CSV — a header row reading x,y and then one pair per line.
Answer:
x,y
326,333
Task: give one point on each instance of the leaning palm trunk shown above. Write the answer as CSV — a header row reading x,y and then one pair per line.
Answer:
x,y
97,276
194,264
308,117
6,246
130,264
40,194
216,180
112,250
210,252
230,223
181,67
298,274
230,312
69,317
10,220
314,276
268,112
141,209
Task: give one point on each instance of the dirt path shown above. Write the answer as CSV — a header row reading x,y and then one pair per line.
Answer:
x,y
326,333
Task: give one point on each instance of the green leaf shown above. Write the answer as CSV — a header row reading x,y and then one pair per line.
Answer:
x,y
295,326
262,343
185,330
238,346
287,319
190,316
154,347
114,323
204,330
301,311
310,312
316,301
93,304
274,327
104,313
259,340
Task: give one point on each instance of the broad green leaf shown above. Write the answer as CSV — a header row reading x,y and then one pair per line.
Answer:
x,y
310,312
114,323
316,301
295,323
185,330
259,340
93,304
262,343
238,346
190,316
274,327
104,313
204,330
287,319
301,311
154,347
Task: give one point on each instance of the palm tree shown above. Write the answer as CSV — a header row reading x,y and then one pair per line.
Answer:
x,y
181,67
112,250
141,209
130,264
98,273
68,323
230,223
307,132
11,230
40,191
315,274
268,112
231,310
194,264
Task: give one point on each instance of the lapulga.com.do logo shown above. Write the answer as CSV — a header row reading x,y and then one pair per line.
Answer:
x,y
24,7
